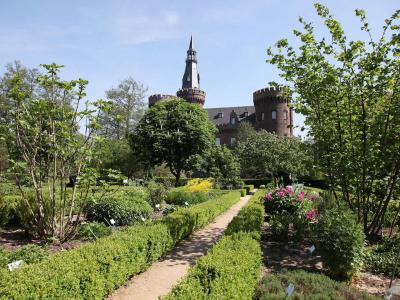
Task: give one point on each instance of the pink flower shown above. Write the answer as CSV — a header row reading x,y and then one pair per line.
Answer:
x,y
311,214
281,194
269,196
300,196
289,190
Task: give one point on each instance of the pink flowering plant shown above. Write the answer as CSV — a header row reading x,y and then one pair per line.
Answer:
x,y
291,205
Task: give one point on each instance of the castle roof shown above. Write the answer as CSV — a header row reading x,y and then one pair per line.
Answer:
x,y
221,116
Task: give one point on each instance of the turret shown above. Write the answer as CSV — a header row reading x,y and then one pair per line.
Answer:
x,y
272,111
190,90
153,99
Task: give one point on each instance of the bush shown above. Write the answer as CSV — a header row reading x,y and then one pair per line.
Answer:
x,y
124,207
93,230
182,197
157,193
30,254
249,188
199,185
380,259
94,270
257,182
340,243
230,270
8,210
307,286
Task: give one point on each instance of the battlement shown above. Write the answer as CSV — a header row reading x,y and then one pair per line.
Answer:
x,y
192,95
153,99
193,91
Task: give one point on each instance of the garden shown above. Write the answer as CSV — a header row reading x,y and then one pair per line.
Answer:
x,y
93,195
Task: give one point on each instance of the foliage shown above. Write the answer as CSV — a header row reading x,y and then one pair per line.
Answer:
x,y
157,193
9,209
128,108
380,259
172,132
230,270
307,286
92,231
45,132
29,254
199,185
124,208
182,197
349,92
340,243
221,164
94,270
263,154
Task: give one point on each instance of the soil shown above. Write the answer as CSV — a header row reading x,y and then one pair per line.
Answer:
x,y
159,279
14,238
289,255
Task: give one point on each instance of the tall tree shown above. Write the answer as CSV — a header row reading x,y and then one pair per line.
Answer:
x,y
349,92
128,108
264,154
172,132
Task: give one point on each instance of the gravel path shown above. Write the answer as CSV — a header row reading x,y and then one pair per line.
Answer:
x,y
159,279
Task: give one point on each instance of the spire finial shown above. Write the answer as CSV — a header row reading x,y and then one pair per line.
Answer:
x,y
191,43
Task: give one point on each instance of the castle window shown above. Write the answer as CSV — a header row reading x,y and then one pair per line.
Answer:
x,y
219,115
245,114
273,115
218,141
285,115
262,117
233,141
233,120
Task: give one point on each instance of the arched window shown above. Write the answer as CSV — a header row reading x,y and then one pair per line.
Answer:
x,y
285,115
262,116
273,115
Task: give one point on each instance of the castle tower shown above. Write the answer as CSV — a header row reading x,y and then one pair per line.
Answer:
x,y
272,111
190,90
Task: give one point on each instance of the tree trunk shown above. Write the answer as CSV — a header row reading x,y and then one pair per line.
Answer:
x,y
177,177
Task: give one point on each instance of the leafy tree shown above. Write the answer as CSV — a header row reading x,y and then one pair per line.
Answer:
x,y
172,132
45,132
349,93
222,165
128,108
264,154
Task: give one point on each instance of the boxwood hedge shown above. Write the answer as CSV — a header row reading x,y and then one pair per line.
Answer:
x,y
94,270
231,268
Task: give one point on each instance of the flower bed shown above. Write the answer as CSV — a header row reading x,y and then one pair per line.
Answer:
x,y
95,270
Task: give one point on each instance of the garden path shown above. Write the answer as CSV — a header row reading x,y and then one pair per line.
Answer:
x,y
159,279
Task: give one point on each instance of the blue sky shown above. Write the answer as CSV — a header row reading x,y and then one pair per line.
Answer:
x,y
107,41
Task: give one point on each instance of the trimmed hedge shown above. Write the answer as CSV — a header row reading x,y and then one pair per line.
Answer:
x,y
231,268
94,270
256,182
307,286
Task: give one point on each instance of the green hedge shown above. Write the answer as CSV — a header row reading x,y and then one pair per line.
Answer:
x,y
231,268
257,182
307,286
94,270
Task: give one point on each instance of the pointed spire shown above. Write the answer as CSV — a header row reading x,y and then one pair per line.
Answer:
x,y
191,43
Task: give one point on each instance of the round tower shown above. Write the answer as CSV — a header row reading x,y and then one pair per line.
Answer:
x,y
153,99
272,111
192,95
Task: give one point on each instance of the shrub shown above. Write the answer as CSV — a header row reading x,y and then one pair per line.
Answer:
x,y
199,185
307,286
230,270
380,259
92,231
8,210
30,254
182,197
124,207
94,270
157,193
340,243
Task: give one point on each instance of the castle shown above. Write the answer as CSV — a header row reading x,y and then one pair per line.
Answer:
x,y
270,111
